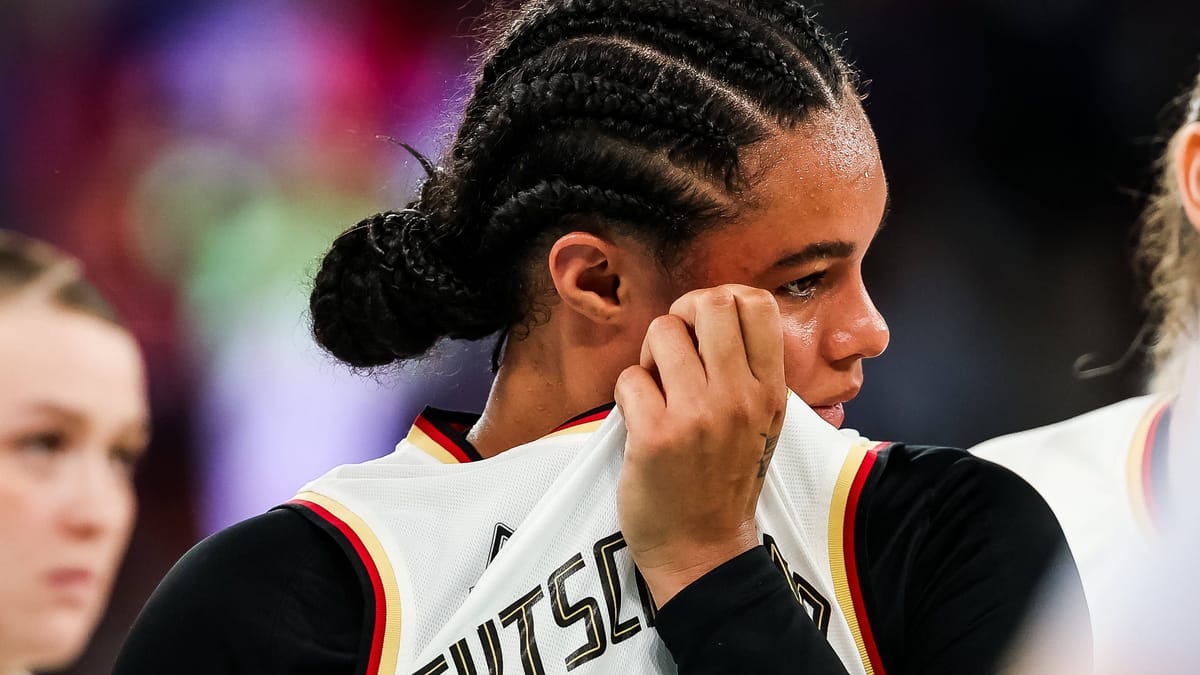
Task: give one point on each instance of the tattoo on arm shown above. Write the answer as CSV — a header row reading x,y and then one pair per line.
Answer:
x,y
769,443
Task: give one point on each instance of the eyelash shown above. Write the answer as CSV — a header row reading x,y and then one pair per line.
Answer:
x,y
127,458
49,442
803,288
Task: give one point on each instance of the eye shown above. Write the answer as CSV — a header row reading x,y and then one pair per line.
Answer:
x,y
804,287
127,458
44,442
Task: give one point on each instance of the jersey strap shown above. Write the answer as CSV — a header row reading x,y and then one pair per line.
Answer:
x,y
1146,461
385,617
842,558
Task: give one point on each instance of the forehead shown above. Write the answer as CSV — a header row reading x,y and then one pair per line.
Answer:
x,y
70,359
822,181
830,160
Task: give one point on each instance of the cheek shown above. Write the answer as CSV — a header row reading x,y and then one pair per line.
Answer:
x,y
118,503
800,354
25,510
128,512
24,529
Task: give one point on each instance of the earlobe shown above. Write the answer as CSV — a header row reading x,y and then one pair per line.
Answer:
x,y
1188,172
585,269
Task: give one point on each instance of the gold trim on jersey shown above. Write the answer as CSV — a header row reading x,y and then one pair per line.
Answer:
x,y
1136,465
844,577
386,649
431,447
585,428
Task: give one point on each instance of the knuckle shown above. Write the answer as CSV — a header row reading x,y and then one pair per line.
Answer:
x,y
661,325
687,299
760,303
762,299
721,296
625,383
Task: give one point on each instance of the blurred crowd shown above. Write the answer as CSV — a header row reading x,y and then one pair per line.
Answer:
x,y
198,156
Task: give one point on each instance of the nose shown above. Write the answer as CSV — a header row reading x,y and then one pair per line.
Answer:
x,y
97,500
860,332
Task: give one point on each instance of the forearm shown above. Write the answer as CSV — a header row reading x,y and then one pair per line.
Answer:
x,y
743,617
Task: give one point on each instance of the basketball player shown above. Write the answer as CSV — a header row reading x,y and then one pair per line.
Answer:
x,y
1105,473
73,422
665,202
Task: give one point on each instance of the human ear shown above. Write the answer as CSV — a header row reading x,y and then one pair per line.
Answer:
x,y
1188,172
586,270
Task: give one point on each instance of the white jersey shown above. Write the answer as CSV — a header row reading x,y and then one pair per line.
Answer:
x,y
1098,472
518,560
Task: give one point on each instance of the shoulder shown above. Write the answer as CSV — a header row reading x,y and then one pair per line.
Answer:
x,y
949,486
264,555
262,542
260,594
954,550
1109,427
1089,469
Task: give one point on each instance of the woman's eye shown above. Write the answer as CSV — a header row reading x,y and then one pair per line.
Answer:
x,y
48,442
126,458
804,287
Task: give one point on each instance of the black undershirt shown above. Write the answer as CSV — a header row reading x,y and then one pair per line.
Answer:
x,y
952,551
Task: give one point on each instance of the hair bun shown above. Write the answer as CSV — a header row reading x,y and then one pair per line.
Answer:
x,y
383,294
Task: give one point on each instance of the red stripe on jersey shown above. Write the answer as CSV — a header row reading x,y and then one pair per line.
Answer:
x,y
372,572
590,416
1148,466
860,609
441,439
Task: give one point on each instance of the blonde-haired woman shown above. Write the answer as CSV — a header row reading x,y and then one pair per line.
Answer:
x,y
73,423
1109,474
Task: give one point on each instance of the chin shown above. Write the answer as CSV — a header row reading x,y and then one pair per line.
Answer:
x,y
58,641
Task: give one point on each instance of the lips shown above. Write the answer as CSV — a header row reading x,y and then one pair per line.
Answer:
x,y
73,585
831,409
834,414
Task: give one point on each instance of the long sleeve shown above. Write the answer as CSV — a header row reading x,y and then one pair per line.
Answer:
x,y
271,595
743,618
953,552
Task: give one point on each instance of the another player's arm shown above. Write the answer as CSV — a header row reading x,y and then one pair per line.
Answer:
x,y
273,595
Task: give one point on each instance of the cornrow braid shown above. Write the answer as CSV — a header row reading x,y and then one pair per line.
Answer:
x,y
795,21
698,128
717,38
621,116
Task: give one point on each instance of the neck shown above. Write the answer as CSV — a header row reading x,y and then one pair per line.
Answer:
x,y
543,382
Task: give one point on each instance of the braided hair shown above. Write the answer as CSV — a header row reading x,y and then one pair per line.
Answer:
x,y
618,116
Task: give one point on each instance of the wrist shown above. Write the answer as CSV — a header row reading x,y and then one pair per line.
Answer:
x,y
682,567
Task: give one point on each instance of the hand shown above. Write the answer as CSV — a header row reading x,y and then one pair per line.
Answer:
x,y
703,416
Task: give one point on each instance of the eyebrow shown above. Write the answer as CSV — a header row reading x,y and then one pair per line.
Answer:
x,y
73,417
818,250
142,426
837,248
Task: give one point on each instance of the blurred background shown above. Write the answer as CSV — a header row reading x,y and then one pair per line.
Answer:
x,y
200,156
